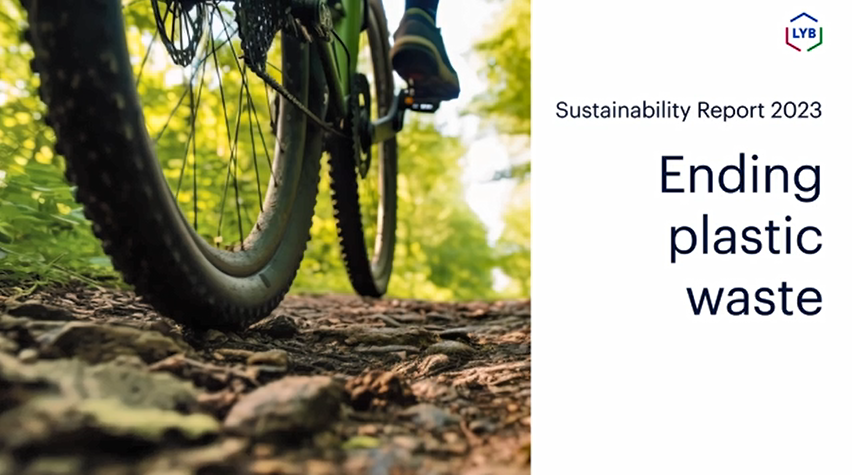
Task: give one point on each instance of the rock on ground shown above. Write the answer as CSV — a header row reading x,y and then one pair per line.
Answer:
x,y
293,405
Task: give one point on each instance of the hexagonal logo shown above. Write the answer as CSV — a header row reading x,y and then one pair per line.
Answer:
x,y
803,33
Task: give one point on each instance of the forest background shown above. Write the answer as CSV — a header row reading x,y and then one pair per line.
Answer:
x,y
451,245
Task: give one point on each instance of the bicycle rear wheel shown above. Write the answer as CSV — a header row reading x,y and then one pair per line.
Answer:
x,y
201,229
365,205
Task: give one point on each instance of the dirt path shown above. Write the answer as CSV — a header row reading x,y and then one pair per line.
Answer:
x,y
95,382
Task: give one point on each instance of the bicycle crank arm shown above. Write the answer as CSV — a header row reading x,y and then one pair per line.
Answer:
x,y
386,127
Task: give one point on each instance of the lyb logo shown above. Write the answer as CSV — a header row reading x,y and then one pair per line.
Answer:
x,y
803,33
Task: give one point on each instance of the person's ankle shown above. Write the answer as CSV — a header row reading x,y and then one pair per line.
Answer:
x,y
428,7
420,12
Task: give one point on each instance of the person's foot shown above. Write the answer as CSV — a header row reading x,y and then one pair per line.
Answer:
x,y
418,55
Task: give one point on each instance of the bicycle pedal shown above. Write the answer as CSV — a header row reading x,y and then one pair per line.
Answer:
x,y
421,104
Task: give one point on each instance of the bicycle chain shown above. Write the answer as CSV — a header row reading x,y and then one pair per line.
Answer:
x,y
269,80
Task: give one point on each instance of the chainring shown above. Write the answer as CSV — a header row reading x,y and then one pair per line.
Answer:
x,y
360,116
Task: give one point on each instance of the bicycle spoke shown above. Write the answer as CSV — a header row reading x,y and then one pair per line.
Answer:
x,y
235,147
171,114
262,139
254,153
186,149
219,239
183,96
231,44
237,163
228,129
247,214
230,14
194,154
268,102
145,59
193,108
266,89
275,68
221,88
253,109
251,129
374,192
194,168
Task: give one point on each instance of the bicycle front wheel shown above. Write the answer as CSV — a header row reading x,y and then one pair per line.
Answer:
x,y
203,207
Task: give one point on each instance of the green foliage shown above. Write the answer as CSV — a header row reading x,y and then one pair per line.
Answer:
x,y
438,234
506,106
513,246
520,171
43,233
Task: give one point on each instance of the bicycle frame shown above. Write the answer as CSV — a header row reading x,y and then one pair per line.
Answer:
x,y
341,63
349,28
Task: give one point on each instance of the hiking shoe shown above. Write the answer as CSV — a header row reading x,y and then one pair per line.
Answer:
x,y
419,56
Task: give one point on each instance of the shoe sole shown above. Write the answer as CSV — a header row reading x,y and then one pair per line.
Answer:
x,y
415,60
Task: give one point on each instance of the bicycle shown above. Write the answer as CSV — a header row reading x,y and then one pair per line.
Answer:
x,y
144,200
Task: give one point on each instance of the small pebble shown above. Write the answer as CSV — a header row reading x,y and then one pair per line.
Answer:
x,y
235,353
482,426
264,450
40,311
278,358
7,345
275,326
28,355
438,316
214,336
462,334
450,348
429,416
295,404
407,442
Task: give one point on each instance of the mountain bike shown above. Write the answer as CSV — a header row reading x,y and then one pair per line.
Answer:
x,y
194,129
